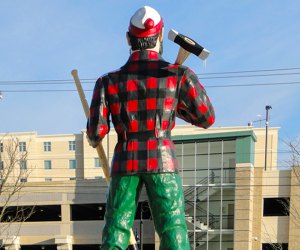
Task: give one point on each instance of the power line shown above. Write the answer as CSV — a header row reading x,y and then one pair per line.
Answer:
x,y
248,71
87,80
251,84
206,86
242,76
41,91
54,81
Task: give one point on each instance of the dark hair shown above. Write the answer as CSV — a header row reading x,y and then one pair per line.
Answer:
x,y
142,43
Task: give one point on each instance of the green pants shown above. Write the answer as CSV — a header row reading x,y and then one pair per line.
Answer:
x,y
166,202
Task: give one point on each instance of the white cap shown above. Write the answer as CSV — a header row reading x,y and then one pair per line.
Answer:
x,y
145,22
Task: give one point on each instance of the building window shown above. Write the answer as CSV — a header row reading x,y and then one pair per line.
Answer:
x,y
23,164
34,213
272,246
94,247
1,165
37,247
72,164
276,206
47,146
48,179
23,180
47,164
97,163
86,212
1,147
203,165
72,179
22,146
72,145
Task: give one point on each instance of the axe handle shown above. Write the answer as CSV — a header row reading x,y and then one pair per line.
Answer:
x,y
182,56
100,150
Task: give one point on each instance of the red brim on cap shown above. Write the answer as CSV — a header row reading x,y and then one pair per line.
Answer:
x,y
137,32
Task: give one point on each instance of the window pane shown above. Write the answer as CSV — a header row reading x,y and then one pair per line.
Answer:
x,y
188,162
47,146
38,247
46,213
47,164
80,212
72,145
87,247
228,147
72,164
1,147
1,165
276,206
97,163
216,147
22,146
23,164
272,246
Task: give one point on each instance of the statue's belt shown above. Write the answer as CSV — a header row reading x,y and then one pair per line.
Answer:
x,y
144,135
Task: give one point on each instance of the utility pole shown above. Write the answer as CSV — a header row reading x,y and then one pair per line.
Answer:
x,y
268,107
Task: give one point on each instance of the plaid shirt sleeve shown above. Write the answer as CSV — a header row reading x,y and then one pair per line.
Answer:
x,y
194,105
98,123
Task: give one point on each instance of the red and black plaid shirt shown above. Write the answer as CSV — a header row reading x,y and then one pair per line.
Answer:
x,y
143,98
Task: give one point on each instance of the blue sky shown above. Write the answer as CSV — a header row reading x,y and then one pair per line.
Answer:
x,y
45,40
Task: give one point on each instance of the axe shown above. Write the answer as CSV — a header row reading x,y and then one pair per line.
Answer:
x,y
187,46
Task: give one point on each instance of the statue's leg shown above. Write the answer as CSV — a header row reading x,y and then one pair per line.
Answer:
x,y
120,211
167,206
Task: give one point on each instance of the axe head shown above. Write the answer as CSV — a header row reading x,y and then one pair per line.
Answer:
x,y
188,44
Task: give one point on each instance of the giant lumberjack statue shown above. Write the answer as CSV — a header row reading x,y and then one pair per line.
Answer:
x,y
143,98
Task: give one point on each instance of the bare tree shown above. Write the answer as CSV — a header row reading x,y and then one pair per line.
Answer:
x,y
268,237
294,162
294,208
13,175
290,206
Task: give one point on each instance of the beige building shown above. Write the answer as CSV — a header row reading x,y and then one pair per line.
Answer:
x,y
233,201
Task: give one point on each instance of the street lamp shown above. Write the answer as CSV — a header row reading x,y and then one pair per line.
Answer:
x,y
268,107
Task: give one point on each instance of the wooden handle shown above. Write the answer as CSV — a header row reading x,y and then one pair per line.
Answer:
x,y
84,102
100,150
182,56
